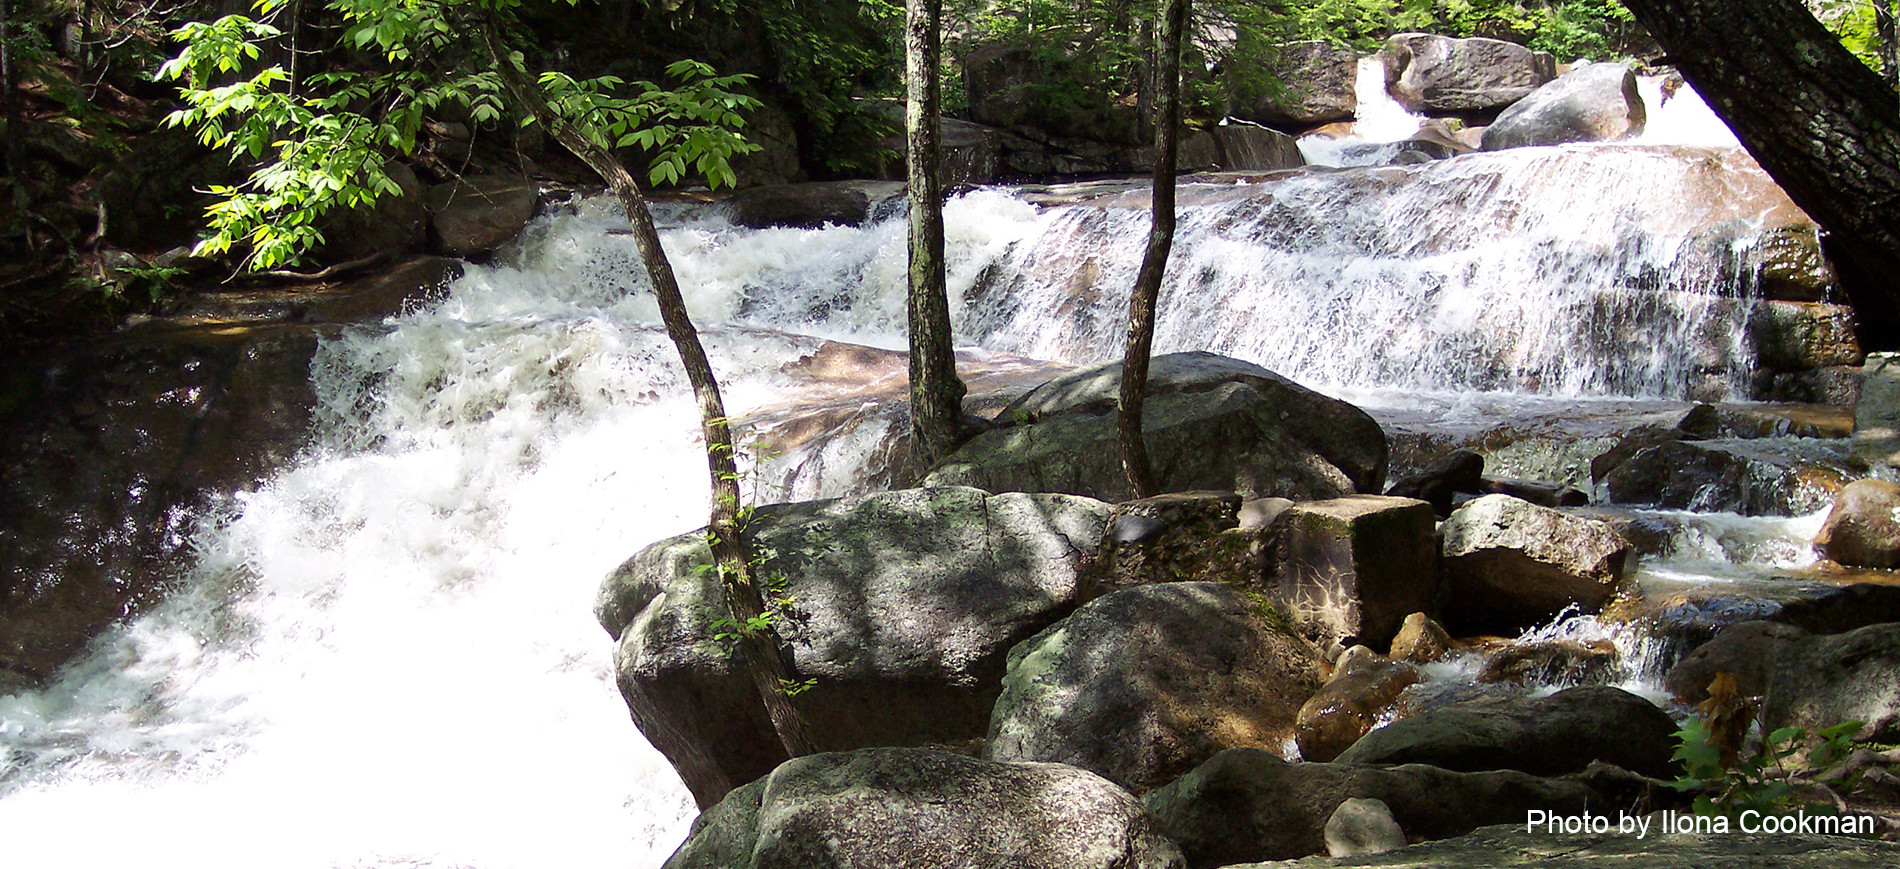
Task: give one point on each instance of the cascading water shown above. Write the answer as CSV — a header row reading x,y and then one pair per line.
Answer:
x,y
386,656
1571,271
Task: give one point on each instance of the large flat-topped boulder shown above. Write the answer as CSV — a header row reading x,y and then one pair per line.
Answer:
x,y
1351,569
897,807
1146,683
902,605
1440,75
1210,422
1512,564
1554,735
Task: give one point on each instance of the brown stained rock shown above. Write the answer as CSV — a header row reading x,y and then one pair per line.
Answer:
x,y
1863,528
1420,640
1348,706
1553,662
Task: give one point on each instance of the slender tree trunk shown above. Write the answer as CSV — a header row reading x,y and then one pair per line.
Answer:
x,y
13,148
1825,127
1154,261
1889,45
936,394
764,665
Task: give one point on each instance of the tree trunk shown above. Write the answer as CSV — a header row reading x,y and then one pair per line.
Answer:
x,y
1823,125
14,152
1889,45
936,394
760,646
1154,261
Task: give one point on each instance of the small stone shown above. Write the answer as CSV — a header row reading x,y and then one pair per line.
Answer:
x,y
1362,826
1420,640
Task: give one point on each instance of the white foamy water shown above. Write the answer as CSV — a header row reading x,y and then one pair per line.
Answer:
x,y
386,655
1674,115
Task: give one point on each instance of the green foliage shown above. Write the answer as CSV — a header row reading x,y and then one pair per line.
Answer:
x,y
824,55
1853,21
1764,781
325,143
1569,29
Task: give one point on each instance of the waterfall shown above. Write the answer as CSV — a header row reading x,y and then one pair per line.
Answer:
x,y
385,656
1572,271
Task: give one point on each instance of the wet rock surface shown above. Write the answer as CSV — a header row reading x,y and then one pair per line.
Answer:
x,y
911,807
1350,703
109,454
1146,683
903,605
1751,477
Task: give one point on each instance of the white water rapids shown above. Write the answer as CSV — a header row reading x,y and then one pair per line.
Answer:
x,y
386,656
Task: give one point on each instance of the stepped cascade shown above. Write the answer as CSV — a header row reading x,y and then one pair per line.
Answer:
x,y
385,656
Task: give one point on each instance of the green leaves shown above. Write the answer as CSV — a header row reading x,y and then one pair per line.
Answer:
x,y
326,145
1765,781
693,129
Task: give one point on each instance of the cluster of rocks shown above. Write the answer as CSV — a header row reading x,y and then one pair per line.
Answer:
x,y
1030,672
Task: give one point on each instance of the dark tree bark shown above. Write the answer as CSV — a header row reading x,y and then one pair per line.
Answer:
x,y
760,646
1825,127
13,149
1154,261
936,394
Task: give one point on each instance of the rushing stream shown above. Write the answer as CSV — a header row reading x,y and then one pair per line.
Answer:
x,y
387,656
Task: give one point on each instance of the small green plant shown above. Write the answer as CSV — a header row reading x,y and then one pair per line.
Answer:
x,y
1769,779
